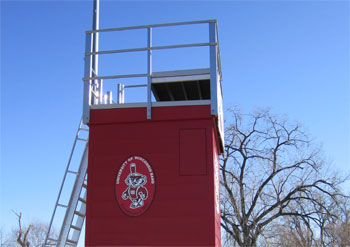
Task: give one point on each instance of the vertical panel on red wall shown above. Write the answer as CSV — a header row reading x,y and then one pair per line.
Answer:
x,y
193,152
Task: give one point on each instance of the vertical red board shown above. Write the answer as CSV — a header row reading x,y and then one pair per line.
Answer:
x,y
182,210
216,168
193,158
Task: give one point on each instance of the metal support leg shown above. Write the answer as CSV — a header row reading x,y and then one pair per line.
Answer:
x,y
120,98
87,84
71,209
149,72
213,69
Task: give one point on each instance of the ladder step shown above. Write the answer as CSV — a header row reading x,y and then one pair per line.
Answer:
x,y
73,172
72,241
75,227
51,239
82,139
85,185
84,129
61,205
82,200
79,214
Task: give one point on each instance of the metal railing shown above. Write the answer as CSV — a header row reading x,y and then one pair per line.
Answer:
x,y
93,83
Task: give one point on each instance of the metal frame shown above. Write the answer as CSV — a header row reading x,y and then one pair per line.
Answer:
x,y
73,202
213,69
163,47
154,104
92,95
71,205
93,82
149,72
151,26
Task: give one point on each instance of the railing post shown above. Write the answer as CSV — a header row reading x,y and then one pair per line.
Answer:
x,y
100,91
120,98
109,98
87,84
149,72
95,38
213,68
95,26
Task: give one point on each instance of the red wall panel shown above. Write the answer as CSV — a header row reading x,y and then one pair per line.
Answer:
x,y
178,143
193,150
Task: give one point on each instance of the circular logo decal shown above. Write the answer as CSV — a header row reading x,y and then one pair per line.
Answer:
x,y
135,186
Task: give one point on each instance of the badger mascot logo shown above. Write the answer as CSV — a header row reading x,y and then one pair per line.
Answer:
x,y
136,192
135,186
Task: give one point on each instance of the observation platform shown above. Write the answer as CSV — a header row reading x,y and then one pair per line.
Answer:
x,y
173,88
200,86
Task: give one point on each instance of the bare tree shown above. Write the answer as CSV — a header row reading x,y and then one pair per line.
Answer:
x,y
271,171
328,231
32,235
338,232
22,232
291,231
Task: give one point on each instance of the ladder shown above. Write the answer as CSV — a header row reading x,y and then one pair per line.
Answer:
x,y
75,210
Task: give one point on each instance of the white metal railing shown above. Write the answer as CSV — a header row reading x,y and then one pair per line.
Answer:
x,y
93,83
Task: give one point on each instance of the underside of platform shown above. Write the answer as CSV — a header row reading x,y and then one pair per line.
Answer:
x,y
181,85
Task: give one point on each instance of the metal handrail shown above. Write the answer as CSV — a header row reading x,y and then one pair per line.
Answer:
x,y
114,76
150,48
90,79
150,26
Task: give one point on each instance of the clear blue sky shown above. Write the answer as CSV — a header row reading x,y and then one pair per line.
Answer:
x,y
292,56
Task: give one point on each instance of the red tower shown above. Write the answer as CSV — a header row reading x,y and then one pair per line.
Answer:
x,y
153,168
149,174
